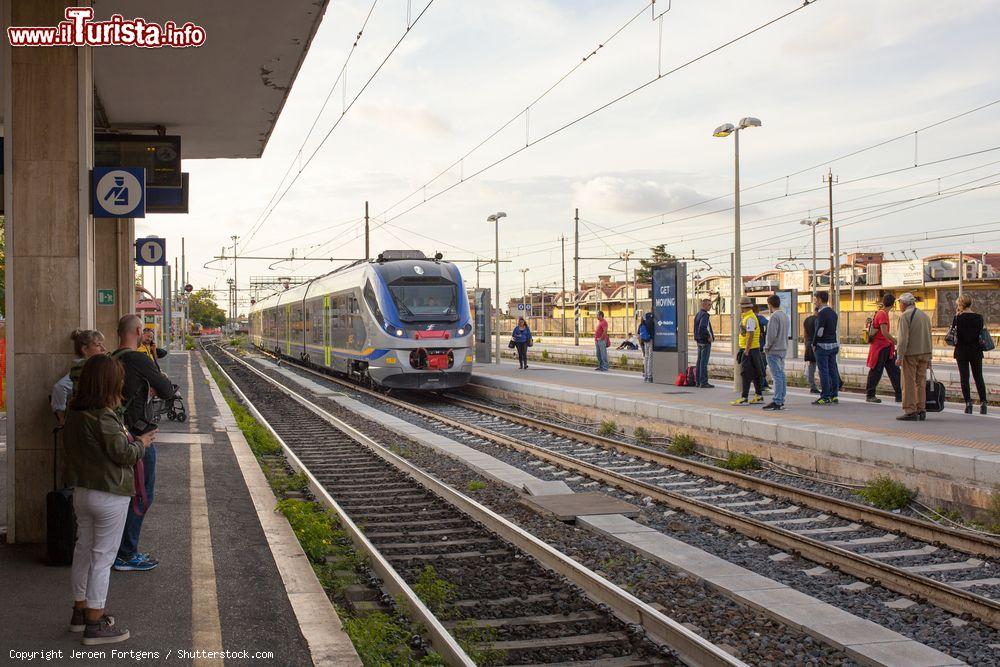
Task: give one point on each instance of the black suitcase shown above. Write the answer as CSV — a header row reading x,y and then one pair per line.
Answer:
x,y
935,395
60,520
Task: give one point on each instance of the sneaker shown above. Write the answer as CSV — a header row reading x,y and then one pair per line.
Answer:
x,y
873,399
707,386
922,415
78,622
104,632
815,391
822,401
135,564
770,406
778,406
835,400
757,399
740,401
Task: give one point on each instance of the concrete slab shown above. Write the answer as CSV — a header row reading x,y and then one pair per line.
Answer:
x,y
568,506
906,653
612,524
184,438
888,449
945,460
543,488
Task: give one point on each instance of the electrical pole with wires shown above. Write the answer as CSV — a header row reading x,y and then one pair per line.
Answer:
x,y
368,252
562,239
576,278
830,179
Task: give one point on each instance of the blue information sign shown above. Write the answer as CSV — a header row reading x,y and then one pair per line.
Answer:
x,y
151,251
119,192
665,308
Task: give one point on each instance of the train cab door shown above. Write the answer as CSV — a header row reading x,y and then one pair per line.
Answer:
x,y
326,331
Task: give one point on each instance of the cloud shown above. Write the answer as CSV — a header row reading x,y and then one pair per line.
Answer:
x,y
405,119
633,194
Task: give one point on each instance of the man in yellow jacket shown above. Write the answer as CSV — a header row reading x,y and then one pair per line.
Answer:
x,y
751,361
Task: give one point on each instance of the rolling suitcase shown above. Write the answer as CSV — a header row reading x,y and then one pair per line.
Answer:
x,y
935,395
60,521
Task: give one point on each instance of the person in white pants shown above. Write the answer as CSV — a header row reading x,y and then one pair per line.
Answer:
x,y
100,465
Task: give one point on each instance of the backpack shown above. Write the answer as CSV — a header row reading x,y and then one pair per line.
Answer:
x,y
691,377
150,413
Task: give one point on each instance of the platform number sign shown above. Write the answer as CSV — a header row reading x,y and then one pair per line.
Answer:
x,y
151,251
119,192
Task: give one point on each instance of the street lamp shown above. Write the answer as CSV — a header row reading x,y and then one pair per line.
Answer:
x,y
524,285
495,219
737,281
814,282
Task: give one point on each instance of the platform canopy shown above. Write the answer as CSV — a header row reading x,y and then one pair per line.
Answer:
x,y
223,97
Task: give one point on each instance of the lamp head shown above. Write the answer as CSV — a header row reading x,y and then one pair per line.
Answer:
x,y
724,130
496,217
749,121
822,220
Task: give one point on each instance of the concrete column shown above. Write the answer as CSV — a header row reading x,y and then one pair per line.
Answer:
x,y
114,269
48,128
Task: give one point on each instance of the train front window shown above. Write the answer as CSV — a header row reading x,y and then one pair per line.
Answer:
x,y
425,301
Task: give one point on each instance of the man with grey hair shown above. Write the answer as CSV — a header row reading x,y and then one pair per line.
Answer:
x,y
913,355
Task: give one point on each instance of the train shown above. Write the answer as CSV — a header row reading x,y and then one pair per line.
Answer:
x,y
400,321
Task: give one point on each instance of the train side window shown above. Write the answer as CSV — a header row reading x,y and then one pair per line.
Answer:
x,y
373,303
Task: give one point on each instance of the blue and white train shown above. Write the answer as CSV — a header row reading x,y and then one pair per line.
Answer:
x,y
400,321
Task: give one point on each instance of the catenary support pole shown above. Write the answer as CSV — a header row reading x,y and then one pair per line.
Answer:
x,y
576,278
563,240
368,252
961,271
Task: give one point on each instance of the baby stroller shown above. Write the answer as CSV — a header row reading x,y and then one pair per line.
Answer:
x,y
173,408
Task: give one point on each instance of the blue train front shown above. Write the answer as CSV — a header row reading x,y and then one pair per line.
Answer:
x,y
401,321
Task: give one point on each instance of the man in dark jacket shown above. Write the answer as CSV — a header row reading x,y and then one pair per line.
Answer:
x,y
141,378
808,330
826,345
703,336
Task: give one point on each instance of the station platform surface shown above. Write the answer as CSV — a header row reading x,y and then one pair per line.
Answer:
x,y
223,583
950,444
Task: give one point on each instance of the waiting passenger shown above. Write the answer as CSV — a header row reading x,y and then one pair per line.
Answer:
x,y
148,346
142,379
749,355
601,342
882,353
913,354
808,331
630,343
969,326
703,336
826,346
775,349
646,331
521,337
100,460
86,344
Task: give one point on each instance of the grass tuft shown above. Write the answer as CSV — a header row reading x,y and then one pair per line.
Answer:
x,y
545,354
478,642
886,493
642,436
741,461
476,485
435,592
682,444
608,427
313,526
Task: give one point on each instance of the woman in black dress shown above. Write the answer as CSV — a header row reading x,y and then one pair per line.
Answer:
x,y
968,352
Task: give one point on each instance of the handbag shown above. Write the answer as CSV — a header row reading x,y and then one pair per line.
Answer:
x,y
951,338
510,344
935,394
986,342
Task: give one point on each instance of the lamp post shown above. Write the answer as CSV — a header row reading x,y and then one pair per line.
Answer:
x,y
813,283
737,282
495,219
524,285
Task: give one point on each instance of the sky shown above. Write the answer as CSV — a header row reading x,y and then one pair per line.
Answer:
x,y
828,80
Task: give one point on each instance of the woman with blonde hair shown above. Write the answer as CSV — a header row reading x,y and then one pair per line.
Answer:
x,y
968,351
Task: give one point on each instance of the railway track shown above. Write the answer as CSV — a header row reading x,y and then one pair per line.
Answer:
x,y
521,601
953,569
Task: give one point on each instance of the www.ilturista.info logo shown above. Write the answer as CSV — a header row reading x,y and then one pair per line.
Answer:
x,y
80,29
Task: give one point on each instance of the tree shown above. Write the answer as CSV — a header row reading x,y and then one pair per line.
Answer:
x,y
644,273
204,310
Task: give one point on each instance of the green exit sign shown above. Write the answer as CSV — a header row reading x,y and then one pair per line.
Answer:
x,y
105,297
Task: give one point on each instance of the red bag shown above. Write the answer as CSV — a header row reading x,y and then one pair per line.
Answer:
x,y
682,380
691,376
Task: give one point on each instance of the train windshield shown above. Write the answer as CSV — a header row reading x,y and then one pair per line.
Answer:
x,y
434,300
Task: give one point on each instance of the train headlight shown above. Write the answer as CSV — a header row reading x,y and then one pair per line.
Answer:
x,y
399,332
461,332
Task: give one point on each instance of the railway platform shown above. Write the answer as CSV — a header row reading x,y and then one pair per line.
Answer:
x,y
952,459
233,586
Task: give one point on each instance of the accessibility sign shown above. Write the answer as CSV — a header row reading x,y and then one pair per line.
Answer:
x,y
119,192
151,251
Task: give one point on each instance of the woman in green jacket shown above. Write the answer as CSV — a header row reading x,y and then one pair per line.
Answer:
x,y
100,465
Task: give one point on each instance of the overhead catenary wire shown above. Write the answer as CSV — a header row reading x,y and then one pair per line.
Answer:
x,y
347,107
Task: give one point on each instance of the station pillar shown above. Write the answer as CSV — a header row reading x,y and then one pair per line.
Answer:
x,y
48,135
114,269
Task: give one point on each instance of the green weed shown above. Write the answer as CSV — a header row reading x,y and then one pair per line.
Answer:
x,y
478,643
886,493
741,461
313,526
476,485
682,444
545,354
608,427
435,592
643,436
993,511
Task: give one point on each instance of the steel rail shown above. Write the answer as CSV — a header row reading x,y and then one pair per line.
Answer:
x,y
690,647
442,641
956,600
983,546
